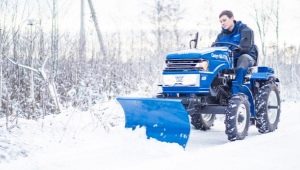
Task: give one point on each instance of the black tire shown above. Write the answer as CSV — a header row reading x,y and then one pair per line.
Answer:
x,y
267,108
203,121
237,119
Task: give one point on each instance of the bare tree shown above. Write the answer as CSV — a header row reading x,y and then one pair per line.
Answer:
x,y
165,16
276,22
266,15
82,40
31,57
1,71
100,38
54,38
158,17
263,16
42,73
175,15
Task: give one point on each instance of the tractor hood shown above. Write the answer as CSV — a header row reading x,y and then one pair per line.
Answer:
x,y
207,53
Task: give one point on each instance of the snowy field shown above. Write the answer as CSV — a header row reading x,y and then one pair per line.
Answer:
x,y
97,140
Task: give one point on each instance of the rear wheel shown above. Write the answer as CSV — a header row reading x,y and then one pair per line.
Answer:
x,y
267,108
203,121
237,117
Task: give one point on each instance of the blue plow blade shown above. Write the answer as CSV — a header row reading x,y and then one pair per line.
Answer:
x,y
164,119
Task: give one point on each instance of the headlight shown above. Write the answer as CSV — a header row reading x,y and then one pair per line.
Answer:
x,y
165,65
202,65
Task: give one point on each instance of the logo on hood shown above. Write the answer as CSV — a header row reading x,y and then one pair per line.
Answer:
x,y
218,56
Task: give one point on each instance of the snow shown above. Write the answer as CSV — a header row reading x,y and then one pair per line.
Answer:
x,y
96,139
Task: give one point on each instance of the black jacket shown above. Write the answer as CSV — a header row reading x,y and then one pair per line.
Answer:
x,y
241,35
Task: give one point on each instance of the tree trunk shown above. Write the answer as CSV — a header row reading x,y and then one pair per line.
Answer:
x,y
82,40
100,39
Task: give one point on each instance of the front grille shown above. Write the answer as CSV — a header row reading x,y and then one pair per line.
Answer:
x,y
182,64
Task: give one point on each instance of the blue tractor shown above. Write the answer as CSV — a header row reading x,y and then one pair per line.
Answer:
x,y
197,85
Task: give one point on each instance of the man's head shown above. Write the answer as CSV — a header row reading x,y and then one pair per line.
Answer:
x,y
227,20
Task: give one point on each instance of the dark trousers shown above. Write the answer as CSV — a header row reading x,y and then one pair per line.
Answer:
x,y
243,63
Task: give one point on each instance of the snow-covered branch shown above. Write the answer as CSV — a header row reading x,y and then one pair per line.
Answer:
x,y
42,73
23,66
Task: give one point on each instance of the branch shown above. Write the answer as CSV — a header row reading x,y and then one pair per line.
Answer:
x,y
24,66
51,85
43,66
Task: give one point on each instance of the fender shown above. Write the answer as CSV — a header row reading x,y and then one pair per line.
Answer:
x,y
245,90
263,73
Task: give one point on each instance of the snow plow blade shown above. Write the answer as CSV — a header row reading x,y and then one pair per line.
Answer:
x,y
164,119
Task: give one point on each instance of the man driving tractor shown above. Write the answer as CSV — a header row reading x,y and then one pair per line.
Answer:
x,y
239,34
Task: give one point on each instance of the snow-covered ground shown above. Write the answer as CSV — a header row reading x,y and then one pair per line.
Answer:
x,y
96,139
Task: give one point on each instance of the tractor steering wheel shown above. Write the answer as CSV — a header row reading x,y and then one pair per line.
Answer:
x,y
233,47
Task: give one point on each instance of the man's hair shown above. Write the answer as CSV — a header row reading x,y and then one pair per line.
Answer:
x,y
227,13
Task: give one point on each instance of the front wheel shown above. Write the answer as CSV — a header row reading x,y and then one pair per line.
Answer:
x,y
203,121
237,117
267,108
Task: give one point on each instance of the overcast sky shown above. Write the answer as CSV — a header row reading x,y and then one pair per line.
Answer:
x,y
126,14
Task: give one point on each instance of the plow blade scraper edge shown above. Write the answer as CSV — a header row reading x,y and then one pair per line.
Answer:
x,y
164,119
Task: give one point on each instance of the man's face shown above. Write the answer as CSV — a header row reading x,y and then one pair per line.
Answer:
x,y
226,22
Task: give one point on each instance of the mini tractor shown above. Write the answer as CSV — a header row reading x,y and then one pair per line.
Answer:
x,y
197,85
